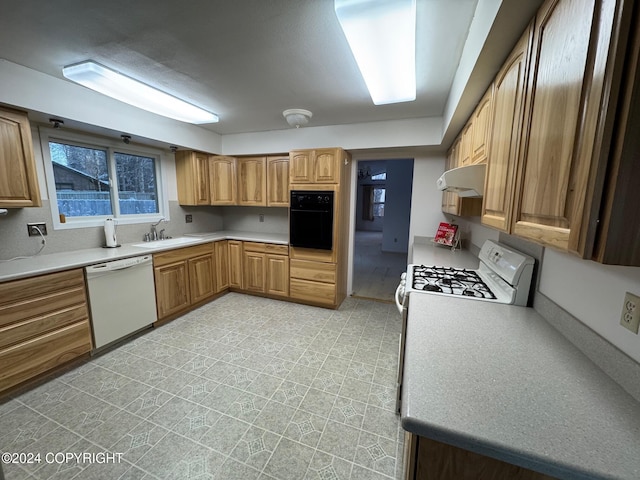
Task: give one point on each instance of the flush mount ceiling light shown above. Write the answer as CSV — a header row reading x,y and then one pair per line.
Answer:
x,y
297,117
127,90
382,37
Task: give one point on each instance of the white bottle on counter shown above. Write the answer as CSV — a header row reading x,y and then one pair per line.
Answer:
x,y
110,233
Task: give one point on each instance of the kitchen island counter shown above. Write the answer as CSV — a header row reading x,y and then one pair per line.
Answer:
x,y
54,262
498,380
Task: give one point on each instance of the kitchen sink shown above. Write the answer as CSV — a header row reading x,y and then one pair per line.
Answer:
x,y
169,242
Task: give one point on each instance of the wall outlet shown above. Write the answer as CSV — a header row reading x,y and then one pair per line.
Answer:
x,y
32,229
261,217
630,318
188,218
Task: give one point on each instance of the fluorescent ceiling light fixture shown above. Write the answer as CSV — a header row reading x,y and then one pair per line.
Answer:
x,y
382,37
127,90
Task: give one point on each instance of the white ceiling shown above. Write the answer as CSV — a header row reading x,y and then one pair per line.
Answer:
x,y
245,60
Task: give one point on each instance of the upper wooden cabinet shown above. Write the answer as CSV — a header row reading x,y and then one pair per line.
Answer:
x,y
18,182
316,166
252,181
465,147
278,181
222,180
192,176
508,100
452,203
482,121
564,178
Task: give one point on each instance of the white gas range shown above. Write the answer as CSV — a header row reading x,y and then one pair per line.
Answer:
x,y
504,276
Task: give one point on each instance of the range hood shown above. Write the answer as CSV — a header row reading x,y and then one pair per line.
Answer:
x,y
465,181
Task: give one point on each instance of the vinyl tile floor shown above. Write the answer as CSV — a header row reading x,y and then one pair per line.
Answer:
x,y
375,273
241,388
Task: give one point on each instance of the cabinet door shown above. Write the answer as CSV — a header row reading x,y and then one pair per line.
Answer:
x,y
172,288
252,181
301,166
18,182
254,275
278,181
201,277
222,265
554,171
277,275
326,166
481,134
450,199
464,155
192,175
235,264
222,180
505,137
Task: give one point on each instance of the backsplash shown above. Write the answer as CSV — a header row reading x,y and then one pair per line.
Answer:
x,y
247,219
14,240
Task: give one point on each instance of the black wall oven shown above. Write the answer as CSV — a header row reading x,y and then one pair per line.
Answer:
x,y
311,219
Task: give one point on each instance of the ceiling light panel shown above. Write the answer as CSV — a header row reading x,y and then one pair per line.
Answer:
x,y
382,37
127,90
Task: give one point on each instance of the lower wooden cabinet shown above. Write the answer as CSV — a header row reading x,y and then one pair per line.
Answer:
x,y
44,323
428,459
221,250
266,268
184,277
313,281
235,264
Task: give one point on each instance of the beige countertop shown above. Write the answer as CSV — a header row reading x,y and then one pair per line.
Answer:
x,y
41,264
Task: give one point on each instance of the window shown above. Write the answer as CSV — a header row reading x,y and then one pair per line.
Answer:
x,y
91,179
379,176
378,201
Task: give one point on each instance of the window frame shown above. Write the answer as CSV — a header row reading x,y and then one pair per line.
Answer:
x,y
374,203
111,146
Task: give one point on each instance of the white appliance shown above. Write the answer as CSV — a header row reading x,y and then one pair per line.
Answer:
x,y
122,298
466,181
503,276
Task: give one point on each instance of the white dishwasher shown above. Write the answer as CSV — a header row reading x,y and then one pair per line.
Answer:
x,y
122,298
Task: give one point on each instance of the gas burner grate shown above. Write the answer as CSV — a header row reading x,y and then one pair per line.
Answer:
x,y
450,281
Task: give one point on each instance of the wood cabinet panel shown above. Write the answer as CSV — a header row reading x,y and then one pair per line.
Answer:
x,y
181,254
314,271
222,180
252,181
278,181
254,272
313,292
172,288
553,179
192,176
35,356
235,263
466,137
45,322
301,166
509,90
327,166
482,123
19,181
222,265
277,275
445,462
201,277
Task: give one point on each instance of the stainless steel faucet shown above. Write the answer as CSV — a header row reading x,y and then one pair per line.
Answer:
x,y
153,233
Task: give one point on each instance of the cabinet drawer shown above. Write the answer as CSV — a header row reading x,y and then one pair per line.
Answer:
x,y
314,271
260,247
41,324
181,254
28,359
324,293
41,305
18,290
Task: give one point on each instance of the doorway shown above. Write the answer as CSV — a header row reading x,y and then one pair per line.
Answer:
x,y
383,212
